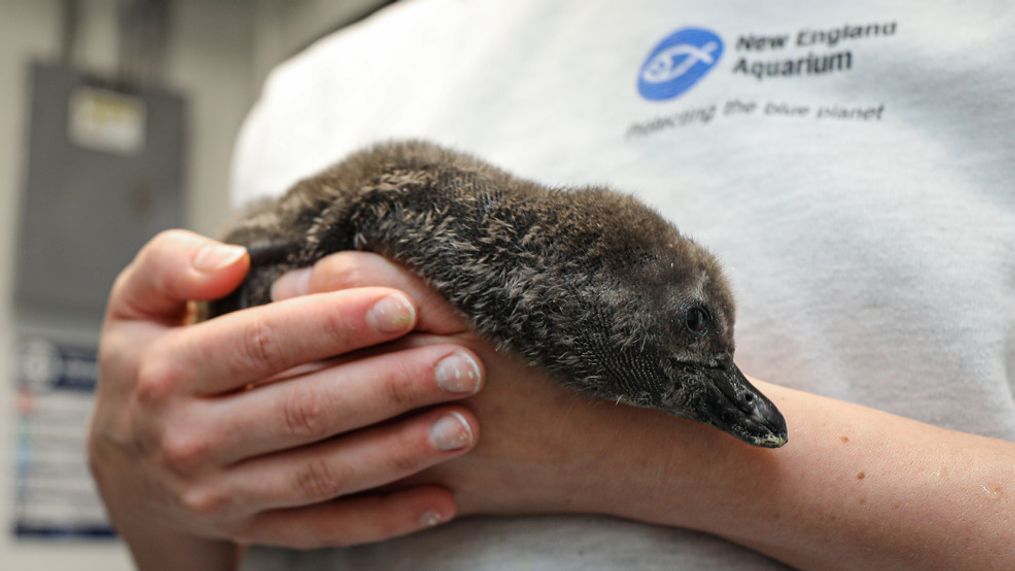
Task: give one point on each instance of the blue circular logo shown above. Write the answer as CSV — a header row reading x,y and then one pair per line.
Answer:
x,y
678,62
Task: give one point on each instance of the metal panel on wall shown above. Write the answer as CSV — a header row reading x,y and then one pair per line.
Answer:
x,y
104,174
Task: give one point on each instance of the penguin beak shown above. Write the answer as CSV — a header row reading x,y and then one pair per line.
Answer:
x,y
732,404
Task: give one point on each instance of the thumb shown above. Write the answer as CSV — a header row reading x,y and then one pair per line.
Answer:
x,y
173,268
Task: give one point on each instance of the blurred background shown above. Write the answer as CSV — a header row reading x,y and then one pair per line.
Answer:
x,y
117,119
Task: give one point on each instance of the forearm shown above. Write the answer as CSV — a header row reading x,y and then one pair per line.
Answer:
x,y
854,488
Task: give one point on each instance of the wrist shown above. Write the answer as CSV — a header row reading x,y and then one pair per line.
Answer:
x,y
654,468
593,457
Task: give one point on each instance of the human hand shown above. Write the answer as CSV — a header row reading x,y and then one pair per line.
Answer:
x,y
219,432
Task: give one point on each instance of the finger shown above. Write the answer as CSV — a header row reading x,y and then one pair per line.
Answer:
x,y
339,399
174,267
352,521
248,346
350,464
345,270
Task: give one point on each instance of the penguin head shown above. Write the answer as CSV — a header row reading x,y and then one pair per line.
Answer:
x,y
680,352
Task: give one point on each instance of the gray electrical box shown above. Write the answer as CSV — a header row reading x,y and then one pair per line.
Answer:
x,y
104,174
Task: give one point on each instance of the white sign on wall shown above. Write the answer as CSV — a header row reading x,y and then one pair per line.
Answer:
x,y
55,497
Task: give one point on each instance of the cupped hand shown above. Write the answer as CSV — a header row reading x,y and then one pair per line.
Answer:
x,y
272,424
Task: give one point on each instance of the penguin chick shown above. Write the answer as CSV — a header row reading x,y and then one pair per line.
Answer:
x,y
588,284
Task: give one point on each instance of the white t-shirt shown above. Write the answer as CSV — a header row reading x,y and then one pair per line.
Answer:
x,y
852,166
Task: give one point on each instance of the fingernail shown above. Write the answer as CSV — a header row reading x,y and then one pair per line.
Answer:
x,y
458,373
392,314
450,432
291,284
431,518
212,257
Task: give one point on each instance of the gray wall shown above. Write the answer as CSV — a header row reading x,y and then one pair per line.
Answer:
x,y
218,54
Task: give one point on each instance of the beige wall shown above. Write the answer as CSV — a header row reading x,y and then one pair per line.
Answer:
x,y
218,54
284,27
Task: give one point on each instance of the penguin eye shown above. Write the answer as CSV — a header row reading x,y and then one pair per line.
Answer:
x,y
696,320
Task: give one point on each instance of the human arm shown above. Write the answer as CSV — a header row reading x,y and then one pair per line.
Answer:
x,y
927,497
855,488
204,437
898,494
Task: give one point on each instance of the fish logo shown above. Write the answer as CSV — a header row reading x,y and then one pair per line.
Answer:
x,y
679,61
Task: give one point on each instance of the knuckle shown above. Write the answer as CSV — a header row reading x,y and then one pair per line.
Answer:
x,y
168,237
260,349
318,480
119,360
303,413
408,460
170,234
157,379
150,267
205,502
400,391
183,451
164,241
340,271
121,283
337,328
